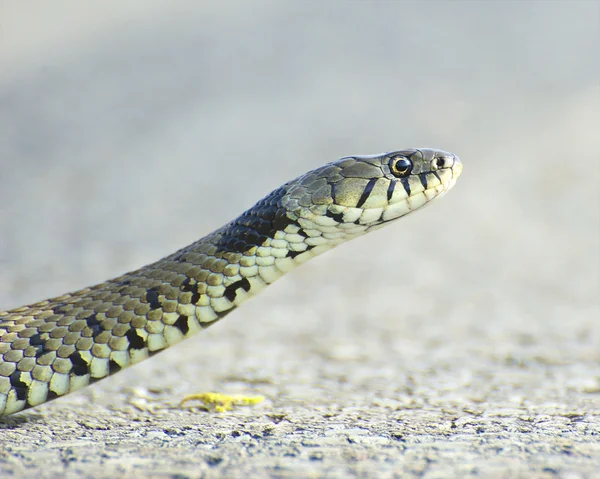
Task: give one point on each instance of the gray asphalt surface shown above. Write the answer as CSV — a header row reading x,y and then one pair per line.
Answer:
x,y
463,341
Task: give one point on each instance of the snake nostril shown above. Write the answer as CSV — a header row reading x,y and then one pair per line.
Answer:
x,y
440,162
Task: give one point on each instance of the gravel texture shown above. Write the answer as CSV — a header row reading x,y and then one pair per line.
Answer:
x,y
463,341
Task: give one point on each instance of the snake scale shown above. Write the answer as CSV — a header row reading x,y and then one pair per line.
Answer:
x,y
54,347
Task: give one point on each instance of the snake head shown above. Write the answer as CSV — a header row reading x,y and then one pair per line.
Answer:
x,y
356,194
340,201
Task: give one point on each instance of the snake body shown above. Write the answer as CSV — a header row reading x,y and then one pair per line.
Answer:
x,y
54,347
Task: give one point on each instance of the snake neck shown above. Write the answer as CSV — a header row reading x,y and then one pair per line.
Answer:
x,y
54,347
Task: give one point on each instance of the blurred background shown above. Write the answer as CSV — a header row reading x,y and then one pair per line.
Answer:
x,y
130,128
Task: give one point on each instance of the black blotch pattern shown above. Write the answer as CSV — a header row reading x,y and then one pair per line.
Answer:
x,y
113,367
123,285
135,341
19,386
195,297
406,185
80,367
339,217
230,291
255,226
293,254
57,309
188,287
93,323
423,178
152,298
37,342
182,324
366,192
40,352
437,176
390,190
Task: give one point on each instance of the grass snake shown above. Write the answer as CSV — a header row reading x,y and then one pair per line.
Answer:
x,y
57,346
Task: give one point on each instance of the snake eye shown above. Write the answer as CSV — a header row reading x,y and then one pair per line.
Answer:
x,y
401,166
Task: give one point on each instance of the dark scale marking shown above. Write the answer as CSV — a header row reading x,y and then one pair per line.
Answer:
x,y
255,226
230,291
251,237
40,344
281,220
423,178
301,232
57,309
366,192
135,341
40,352
93,323
185,286
195,297
113,367
177,257
182,324
238,245
390,190
123,285
339,217
152,298
293,254
19,386
406,185
80,367
36,340
188,287
438,176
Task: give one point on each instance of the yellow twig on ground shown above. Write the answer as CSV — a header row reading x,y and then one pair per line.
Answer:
x,y
221,402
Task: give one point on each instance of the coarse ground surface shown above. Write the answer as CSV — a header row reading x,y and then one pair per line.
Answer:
x,y
463,341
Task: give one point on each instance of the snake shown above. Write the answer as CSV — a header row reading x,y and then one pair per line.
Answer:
x,y
54,347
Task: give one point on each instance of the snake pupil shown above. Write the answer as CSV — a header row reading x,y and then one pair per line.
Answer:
x,y
401,167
